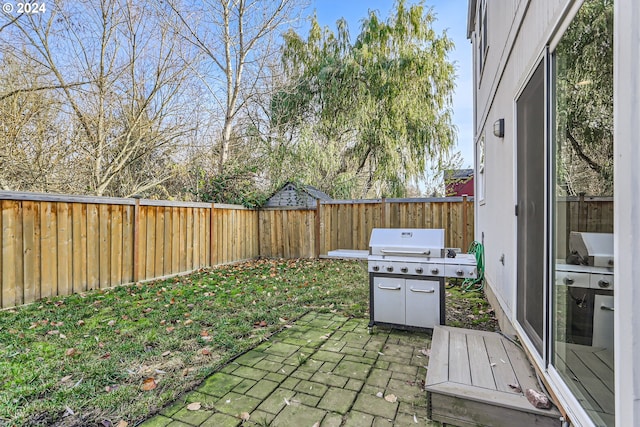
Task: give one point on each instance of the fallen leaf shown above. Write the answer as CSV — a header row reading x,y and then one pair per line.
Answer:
x,y
187,371
426,352
379,394
415,419
170,329
263,324
287,402
166,353
205,352
65,379
516,388
149,384
63,336
122,423
391,398
195,406
111,322
53,332
316,424
71,352
106,423
188,322
245,416
105,356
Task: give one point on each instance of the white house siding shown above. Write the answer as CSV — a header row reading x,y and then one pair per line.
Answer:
x,y
626,108
517,35
518,32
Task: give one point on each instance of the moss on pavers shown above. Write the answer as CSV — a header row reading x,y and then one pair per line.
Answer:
x,y
157,421
302,375
277,400
221,420
173,408
329,379
250,358
353,351
251,373
298,415
328,356
245,385
407,420
334,345
275,376
260,418
220,384
290,383
312,388
405,369
332,420
176,423
376,406
234,404
356,340
282,349
262,389
354,384
405,391
337,400
192,417
351,369
206,400
382,422
268,365
311,365
305,399
358,419
379,378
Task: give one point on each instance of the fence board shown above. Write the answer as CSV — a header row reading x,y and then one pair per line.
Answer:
x,y
128,213
49,244
65,286
31,244
11,253
93,247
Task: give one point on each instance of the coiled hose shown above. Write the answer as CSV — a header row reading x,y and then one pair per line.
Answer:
x,y
476,284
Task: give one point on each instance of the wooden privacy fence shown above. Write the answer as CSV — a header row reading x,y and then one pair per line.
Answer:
x,y
58,245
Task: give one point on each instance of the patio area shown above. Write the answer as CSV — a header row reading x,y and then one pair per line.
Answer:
x,y
323,370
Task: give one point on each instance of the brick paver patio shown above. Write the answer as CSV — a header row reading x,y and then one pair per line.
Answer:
x,y
326,370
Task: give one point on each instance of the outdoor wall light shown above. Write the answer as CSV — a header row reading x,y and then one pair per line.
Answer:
x,y
498,128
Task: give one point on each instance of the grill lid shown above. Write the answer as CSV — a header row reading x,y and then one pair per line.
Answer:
x,y
595,249
407,242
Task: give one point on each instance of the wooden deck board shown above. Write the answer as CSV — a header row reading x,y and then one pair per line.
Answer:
x,y
468,381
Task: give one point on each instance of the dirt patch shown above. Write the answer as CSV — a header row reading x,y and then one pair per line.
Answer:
x,y
469,309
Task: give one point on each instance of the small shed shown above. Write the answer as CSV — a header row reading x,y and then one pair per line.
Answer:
x,y
296,195
458,182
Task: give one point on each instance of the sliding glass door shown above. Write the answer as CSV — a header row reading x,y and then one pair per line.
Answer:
x,y
582,280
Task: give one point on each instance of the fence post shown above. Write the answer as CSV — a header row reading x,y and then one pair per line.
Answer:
x,y
317,230
465,224
136,241
212,245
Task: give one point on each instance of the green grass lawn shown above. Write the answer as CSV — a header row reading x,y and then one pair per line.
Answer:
x,y
115,355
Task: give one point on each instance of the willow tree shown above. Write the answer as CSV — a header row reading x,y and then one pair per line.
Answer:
x,y
367,115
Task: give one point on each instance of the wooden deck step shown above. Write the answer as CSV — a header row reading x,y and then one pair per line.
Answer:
x,y
470,378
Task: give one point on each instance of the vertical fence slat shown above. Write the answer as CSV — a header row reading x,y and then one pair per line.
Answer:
x,y
31,244
11,253
93,247
48,266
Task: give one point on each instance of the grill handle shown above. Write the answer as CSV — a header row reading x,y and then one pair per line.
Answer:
x,y
389,288
424,291
385,251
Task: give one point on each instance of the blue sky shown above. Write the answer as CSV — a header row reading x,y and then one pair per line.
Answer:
x,y
452,16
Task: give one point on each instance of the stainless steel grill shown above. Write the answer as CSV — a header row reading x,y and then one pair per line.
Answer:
x,y
407,267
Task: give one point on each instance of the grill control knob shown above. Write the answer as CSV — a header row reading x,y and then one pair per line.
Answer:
x,y
376,268
404,269
460,273
389,269
435,271
419,270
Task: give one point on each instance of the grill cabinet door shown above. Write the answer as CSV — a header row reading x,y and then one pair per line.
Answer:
x,y
423,303
388,300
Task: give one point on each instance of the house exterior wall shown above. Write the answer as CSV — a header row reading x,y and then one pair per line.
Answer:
x,y
518,32
517,35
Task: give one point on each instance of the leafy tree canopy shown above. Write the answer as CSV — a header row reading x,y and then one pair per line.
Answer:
x,y
368,114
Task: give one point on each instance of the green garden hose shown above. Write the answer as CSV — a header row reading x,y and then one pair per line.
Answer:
x,y
476,284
